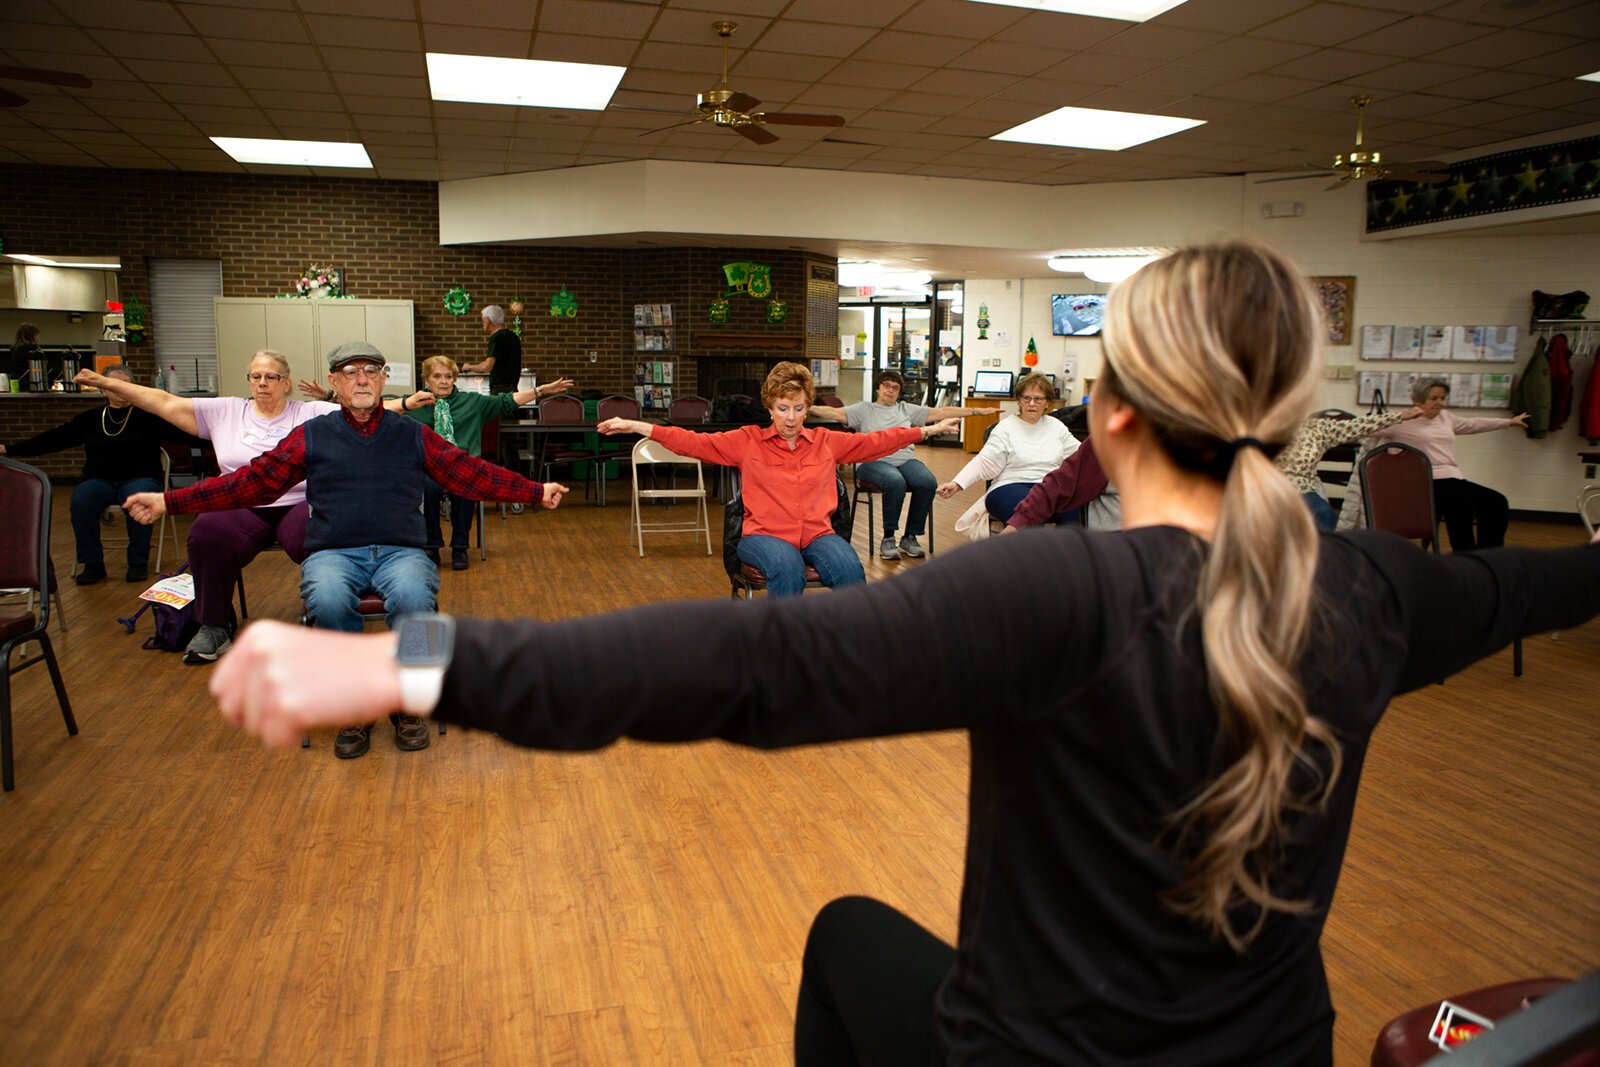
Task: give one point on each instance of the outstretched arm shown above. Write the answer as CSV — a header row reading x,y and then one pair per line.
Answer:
x,y
178,410
961,413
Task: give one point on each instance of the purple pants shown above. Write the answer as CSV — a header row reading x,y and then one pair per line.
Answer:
x,y
222,544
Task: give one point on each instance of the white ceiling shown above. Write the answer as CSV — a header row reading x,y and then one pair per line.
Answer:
x,y
921,84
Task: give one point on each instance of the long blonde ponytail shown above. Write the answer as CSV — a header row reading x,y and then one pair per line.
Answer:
x,y
1218,348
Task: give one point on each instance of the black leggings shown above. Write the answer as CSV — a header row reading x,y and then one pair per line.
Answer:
x,y
1458,502
866,988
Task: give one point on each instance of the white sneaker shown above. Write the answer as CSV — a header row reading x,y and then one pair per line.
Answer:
x,y
910,549
889,550
207,644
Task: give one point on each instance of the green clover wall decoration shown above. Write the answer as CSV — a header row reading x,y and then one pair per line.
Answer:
x,y
458,301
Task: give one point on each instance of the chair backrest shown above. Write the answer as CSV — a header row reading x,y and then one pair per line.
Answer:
x,y
689,409
1589,507
25,535
1397,493
617,406
647,450
562,408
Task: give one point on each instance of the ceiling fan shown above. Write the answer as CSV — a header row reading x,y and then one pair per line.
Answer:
x,y
63,78
724,106
1358,164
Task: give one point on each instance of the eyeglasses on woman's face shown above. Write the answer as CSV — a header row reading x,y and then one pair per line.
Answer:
x,y
260,378
1031,398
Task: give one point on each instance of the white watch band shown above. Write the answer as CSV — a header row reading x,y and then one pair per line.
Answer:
x,y
420,688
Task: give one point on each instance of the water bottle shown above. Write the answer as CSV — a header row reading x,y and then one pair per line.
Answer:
x,y
158,382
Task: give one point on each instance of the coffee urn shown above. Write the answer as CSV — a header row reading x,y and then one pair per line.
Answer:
x,y
38,376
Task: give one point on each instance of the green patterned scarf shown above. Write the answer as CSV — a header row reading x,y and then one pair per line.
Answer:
x,y
442,424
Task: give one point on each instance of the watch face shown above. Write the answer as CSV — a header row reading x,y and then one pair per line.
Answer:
x,y
426,640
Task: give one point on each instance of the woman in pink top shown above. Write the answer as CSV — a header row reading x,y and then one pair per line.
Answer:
x,y
787,471
1455,500
222,543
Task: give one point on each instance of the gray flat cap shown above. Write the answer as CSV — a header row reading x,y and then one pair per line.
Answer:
x,y
351,351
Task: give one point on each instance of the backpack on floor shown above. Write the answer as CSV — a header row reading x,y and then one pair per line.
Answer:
x,y
175,627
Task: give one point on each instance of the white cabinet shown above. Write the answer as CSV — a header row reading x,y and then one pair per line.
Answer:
x,y
304,331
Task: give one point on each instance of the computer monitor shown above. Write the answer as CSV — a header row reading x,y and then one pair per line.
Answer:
x,y
992,383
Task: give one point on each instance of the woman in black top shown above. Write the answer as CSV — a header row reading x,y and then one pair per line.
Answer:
x,y
121,456
23,348
1158,810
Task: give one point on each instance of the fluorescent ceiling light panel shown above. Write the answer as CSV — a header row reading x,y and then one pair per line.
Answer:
x,y
80,262
295,153
522,82
1087,127
1126,10
1595,77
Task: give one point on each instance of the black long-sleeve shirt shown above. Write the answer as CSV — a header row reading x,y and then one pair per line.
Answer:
x,y
113,451
1080,755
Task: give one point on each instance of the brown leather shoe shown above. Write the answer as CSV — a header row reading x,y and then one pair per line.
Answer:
x,y
352,741
410,733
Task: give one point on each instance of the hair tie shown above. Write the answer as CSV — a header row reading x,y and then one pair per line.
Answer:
x,y
1233,447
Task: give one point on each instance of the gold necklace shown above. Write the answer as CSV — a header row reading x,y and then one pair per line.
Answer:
x,y
123,425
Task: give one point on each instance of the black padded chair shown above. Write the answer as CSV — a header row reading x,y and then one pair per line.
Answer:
x,y
747,579
25,565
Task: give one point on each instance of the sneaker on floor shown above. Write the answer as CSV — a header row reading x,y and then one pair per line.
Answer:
x,y
458,559
91,573
136,574
410,733
910,549
889,550
207,644
352,741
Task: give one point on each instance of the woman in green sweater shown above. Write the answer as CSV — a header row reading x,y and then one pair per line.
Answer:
x,y
458,417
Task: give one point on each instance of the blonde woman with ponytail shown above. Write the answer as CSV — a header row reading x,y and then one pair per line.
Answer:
x,y
1160,804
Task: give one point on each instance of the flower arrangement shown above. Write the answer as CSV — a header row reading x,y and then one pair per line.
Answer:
x,y
329,280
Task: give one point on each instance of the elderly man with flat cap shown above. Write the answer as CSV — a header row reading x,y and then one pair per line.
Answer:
x,y
503,362
365,471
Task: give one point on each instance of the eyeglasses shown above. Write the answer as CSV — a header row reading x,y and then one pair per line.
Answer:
x,y
352,370
1032,400
268,378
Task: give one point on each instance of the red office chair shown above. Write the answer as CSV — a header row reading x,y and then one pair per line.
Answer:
x,y
25,565
1397,495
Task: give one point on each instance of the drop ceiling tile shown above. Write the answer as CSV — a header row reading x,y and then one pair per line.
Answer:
x,y
1332,64
1416,74
943,170
699,59
158,47
383,84
390,140
567,48
1567,63
388,112
1260,87
881,166
759,64
602,18
939,142
335,30
209,116
1052,94
1418,36
1555,94
43,37
1093,67
1154,102
1577,21
225,22
814,38
962,18
935,51
1325,24
1179,78
275,78
141,127
1506,46
1001,57
472,41
1066,33
907,155
205,94
293,57
680,86
514,16
849,12
374,9
1005,113
181,73
877,75
927,105
1494,83
1152,40
975,83
1480,114
1243,55
375,61
284,100
694,27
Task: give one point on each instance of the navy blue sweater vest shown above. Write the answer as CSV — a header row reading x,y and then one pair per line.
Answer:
x,y
364,490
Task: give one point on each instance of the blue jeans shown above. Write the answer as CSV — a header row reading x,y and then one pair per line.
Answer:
x,y
333,580
785,565
1322,512
1003,500
910,475
89,499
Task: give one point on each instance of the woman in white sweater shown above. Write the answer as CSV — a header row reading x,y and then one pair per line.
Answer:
x,y
1020,452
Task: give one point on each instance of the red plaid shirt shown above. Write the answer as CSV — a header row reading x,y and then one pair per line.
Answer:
x,y
270,474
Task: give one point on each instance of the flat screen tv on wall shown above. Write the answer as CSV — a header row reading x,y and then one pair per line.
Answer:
x,y
1076,314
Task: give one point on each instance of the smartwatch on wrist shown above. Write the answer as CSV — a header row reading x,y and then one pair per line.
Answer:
x,y
424,645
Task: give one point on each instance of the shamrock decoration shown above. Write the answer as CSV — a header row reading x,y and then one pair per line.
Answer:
x,y
458,301
564,304
777,311
718,311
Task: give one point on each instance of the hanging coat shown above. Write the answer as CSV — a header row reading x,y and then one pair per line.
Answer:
x,y
1532,391
1560,356
1589,406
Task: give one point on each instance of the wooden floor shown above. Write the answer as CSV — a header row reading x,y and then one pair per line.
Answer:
x,y
170,892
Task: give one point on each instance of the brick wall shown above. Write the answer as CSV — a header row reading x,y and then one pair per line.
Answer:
x,y
384,236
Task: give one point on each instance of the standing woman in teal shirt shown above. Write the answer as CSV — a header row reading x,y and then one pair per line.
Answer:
x,y
458,417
